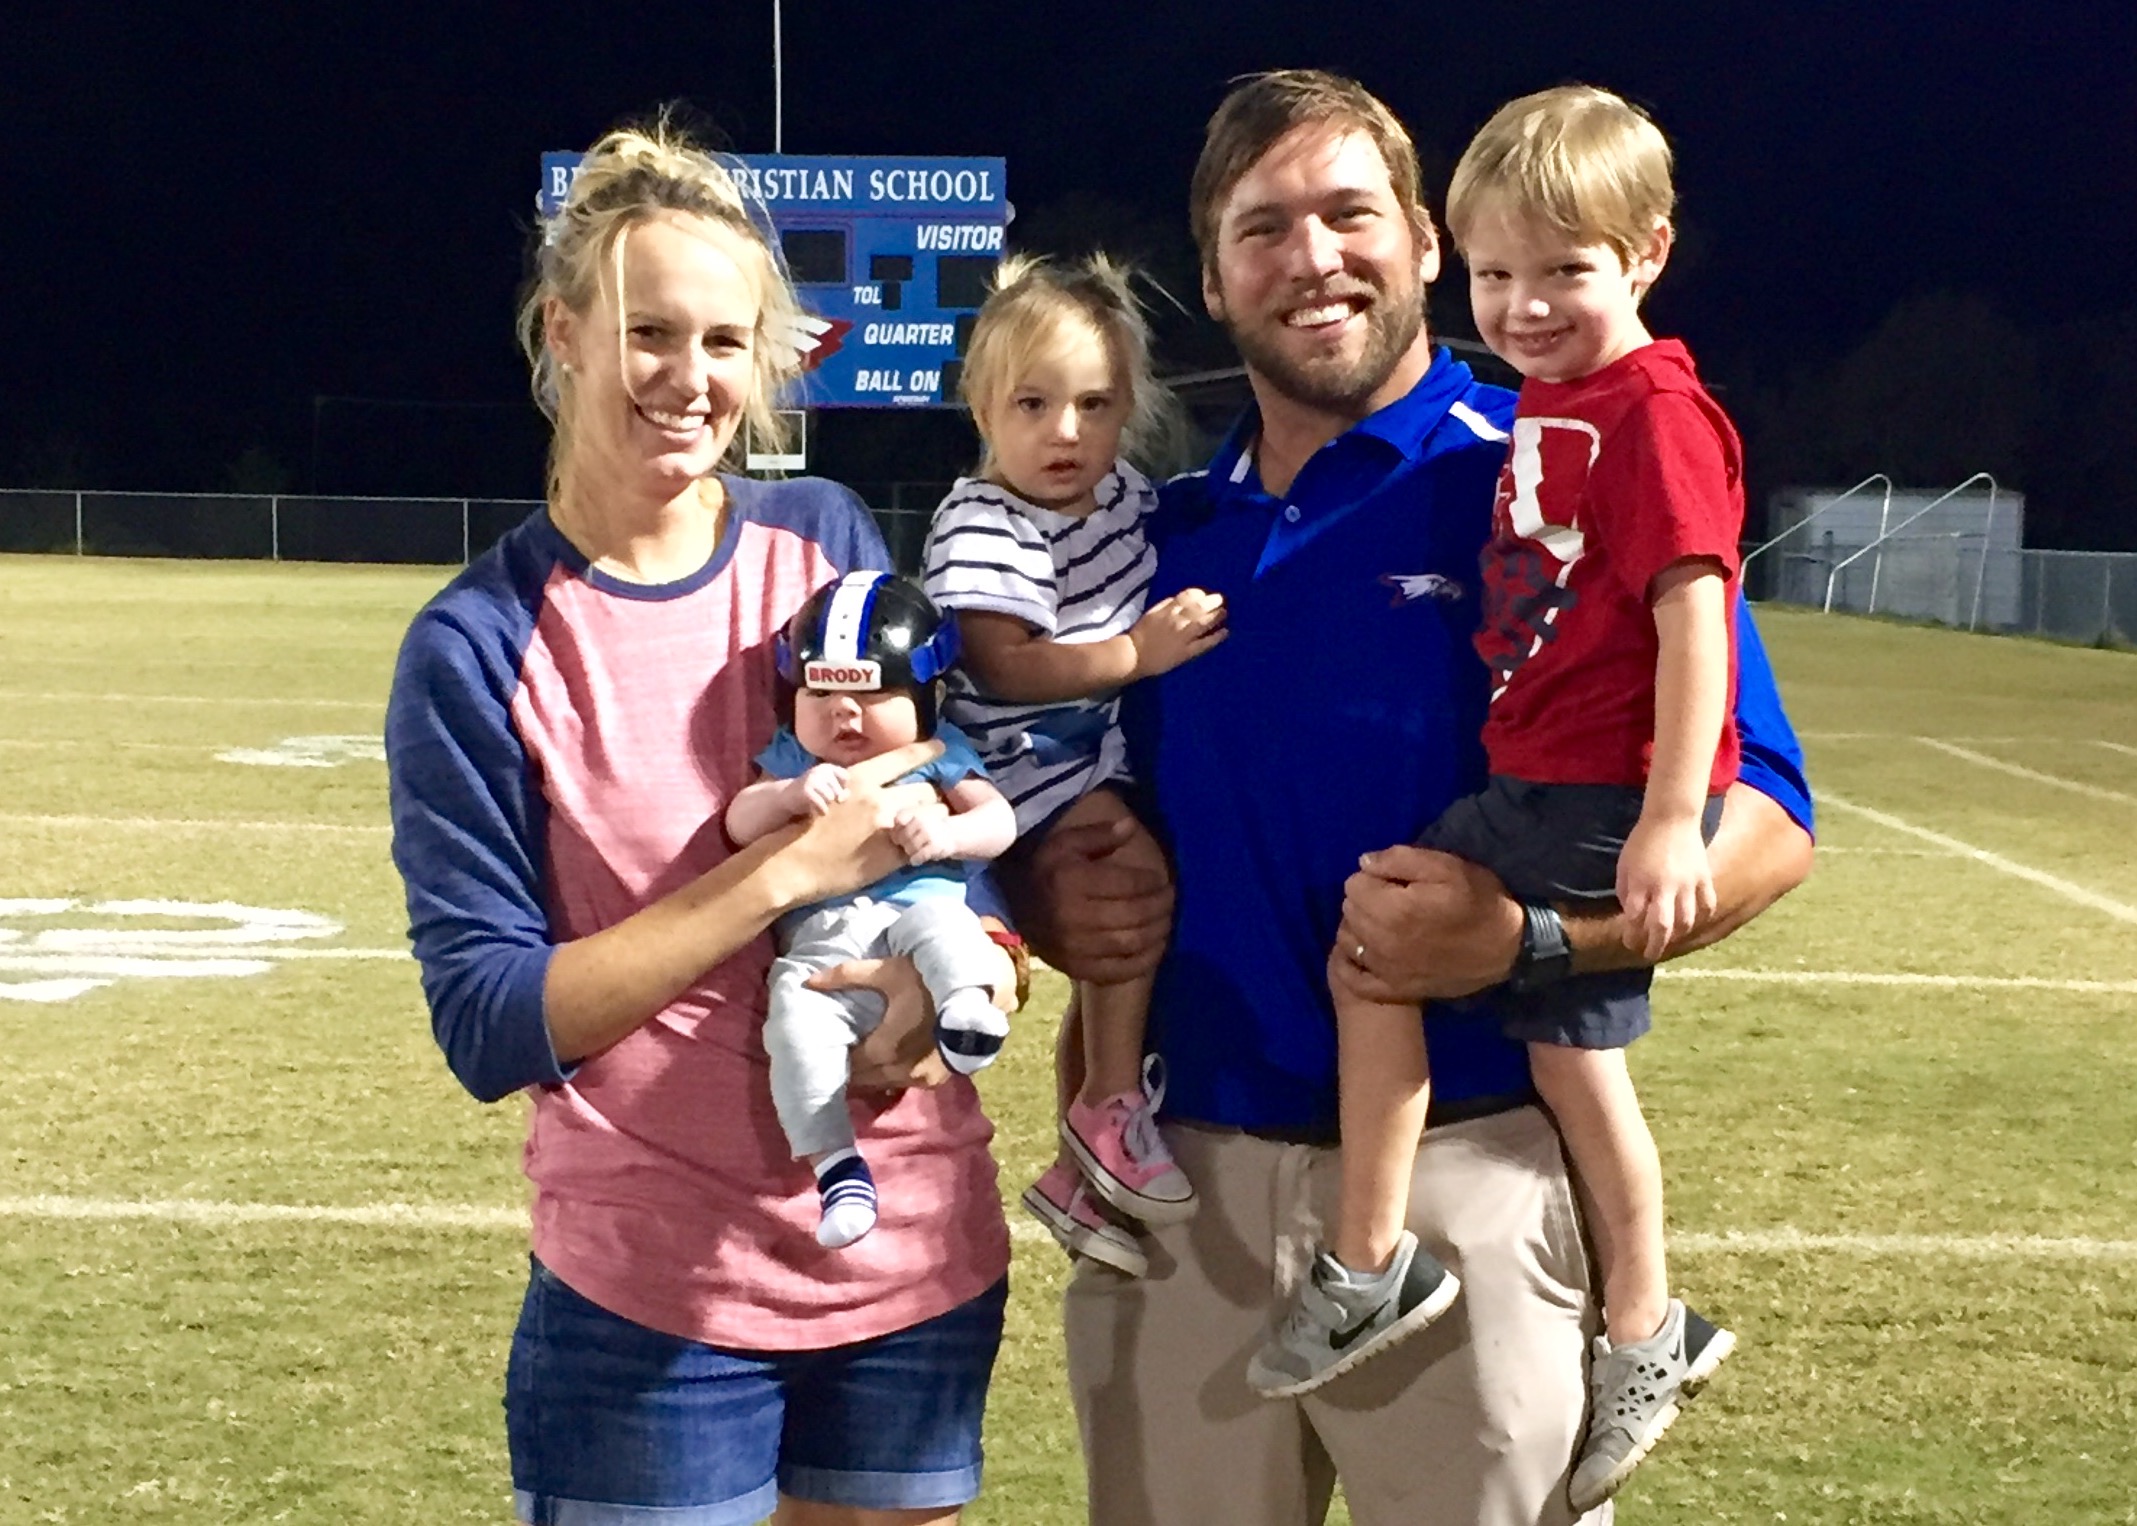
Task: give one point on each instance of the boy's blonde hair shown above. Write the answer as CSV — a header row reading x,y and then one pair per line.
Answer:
x,y
1580,160
634,176
1032,298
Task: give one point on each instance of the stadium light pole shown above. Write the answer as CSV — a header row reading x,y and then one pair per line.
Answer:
x,y
779,90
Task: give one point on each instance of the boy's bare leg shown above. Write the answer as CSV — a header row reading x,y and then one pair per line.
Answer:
x,y
1383,1088
1619,1174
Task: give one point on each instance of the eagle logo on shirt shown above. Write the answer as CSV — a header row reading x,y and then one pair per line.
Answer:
x,y
1412,586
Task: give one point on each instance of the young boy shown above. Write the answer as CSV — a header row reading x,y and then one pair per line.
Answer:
x,y
865,656
1608,586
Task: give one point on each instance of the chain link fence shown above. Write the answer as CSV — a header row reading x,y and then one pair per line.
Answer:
x,y
291,527
1955,576
2088,596
285,527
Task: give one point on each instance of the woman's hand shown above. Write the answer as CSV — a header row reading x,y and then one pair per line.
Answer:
x,y
850,844
901,1051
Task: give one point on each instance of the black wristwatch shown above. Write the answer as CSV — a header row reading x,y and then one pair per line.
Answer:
x,y
1546,957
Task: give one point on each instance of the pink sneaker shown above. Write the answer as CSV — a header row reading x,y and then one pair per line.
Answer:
x,y
1062,1202
1124,1157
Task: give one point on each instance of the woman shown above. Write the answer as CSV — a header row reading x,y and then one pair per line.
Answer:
x,y
569,718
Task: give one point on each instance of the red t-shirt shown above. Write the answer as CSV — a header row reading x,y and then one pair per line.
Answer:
x,y
1610,479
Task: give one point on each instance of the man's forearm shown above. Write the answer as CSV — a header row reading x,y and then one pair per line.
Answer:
x,y
1758,855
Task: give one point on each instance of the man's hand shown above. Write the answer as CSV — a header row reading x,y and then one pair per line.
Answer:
x,y
1432,927
1094,901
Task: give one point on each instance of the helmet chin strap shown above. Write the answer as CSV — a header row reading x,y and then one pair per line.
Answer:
x,y
939,655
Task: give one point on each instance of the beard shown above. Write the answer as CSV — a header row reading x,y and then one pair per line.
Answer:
x,y
1332,383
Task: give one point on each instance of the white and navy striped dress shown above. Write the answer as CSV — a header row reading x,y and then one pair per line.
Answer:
x,y
1069,579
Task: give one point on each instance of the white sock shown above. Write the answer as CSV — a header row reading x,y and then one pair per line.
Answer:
x,y
848,1192
969,1029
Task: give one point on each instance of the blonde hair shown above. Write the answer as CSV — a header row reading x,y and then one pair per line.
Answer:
x,y
1022,319
1262,109
634,176
1584,162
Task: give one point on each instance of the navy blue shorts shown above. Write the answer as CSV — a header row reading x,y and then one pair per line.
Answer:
x,y
612,1424
1558,842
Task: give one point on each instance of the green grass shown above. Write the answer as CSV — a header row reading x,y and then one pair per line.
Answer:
x,y
283,1369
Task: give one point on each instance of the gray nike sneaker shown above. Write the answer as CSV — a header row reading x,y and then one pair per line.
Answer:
x,y
1634,1393
1336,1322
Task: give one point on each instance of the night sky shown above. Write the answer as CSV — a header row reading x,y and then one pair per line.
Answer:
x,y
219,214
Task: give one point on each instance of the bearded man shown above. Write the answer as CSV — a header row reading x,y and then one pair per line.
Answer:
x,y
1286,772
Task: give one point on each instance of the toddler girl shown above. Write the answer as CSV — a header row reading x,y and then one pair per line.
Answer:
x,y
1042,557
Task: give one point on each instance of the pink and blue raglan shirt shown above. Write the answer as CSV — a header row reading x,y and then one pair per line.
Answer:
x,y
562,746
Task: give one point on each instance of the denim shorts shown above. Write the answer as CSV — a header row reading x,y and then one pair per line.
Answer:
x,y
610,1422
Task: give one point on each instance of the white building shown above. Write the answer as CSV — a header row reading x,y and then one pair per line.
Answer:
x,y
1952,557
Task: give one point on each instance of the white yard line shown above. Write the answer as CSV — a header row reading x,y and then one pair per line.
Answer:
x,y
199,1211
1901,978
254,952
1826,848
58,743
145,948
194,824
2033,776
464,1216
1907,1247
2119,910
2127,752
1902,736
373,706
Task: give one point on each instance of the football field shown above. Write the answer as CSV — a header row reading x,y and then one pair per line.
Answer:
x,y
259,1256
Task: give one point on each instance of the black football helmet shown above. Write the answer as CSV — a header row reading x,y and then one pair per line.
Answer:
x,y
867,632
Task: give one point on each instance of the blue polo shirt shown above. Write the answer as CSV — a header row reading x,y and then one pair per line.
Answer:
x,y
1342,715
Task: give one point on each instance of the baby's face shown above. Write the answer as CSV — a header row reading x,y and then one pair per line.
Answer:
x,y
844,728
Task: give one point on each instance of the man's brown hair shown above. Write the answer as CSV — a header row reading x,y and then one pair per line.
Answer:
x,y
1260,109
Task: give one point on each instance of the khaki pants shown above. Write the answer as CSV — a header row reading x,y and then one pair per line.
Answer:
x,y
1474,1422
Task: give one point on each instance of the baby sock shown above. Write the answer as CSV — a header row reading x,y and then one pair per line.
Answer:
x,y
969,1029
849,1198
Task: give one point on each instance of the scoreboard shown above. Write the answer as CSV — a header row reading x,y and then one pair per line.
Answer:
x,y
891,255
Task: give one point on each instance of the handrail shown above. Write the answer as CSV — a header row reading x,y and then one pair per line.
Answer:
x,y
1981,571
1832,578
1834,503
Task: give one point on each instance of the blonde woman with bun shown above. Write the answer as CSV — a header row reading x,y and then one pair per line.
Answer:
x,y
570,717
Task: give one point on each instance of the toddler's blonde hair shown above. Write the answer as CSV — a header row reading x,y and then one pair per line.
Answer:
x,y
1032,298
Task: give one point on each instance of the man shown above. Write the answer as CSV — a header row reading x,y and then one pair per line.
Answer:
x,y
1341,523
